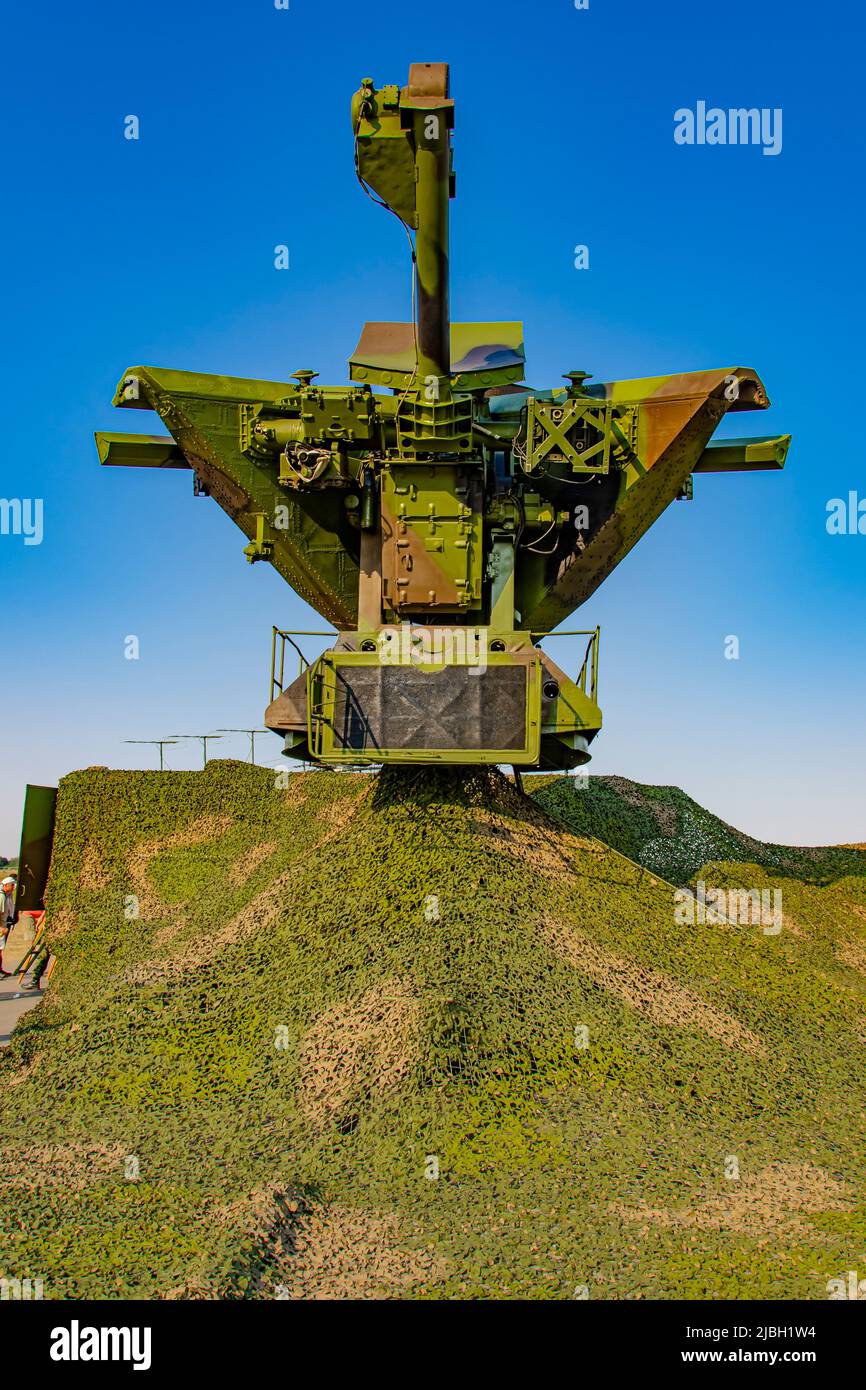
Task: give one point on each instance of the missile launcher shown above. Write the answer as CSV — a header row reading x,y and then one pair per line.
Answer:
x,y
441,514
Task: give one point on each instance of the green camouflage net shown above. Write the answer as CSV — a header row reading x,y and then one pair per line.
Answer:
x,y
406,1035
671,834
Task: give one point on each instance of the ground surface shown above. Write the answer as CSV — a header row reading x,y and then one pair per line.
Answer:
x,y
15,1002
279,1013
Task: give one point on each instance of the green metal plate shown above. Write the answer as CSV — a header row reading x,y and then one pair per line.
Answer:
x,y
34,859
365,710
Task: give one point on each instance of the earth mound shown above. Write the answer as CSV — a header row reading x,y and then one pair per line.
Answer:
x,y
409,1035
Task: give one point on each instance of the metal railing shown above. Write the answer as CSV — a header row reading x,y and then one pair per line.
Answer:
x,y
589,670
316,719
279,638
587,676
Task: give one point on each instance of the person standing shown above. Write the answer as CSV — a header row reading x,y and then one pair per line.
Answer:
x,y
7,908
7,912
33,975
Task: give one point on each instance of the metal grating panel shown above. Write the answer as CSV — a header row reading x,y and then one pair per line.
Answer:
x,y
406,707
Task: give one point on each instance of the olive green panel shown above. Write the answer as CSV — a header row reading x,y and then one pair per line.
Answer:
x,y
384,152
139,451
482,355
671,422
34,856
432,539
314,546
758,454
361,710
745,390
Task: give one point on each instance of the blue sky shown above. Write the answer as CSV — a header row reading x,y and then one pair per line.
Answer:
x,y
160,251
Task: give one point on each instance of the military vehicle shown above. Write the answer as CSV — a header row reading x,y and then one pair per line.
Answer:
x,y
441,514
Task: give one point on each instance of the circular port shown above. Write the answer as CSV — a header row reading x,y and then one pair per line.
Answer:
x,y
368,646
497,646
550,690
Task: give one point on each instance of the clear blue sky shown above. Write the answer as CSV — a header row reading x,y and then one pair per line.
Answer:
x,y
160,251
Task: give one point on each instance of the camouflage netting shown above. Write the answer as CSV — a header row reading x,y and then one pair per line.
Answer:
x,y
668,832
279,1013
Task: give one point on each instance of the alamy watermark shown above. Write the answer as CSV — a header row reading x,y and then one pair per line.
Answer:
x,y
712,125
21,1289
743,907
405,645
846,516
846,1287
22,516
77,1343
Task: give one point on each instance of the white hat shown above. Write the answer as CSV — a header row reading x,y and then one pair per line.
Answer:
x,y
7,880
